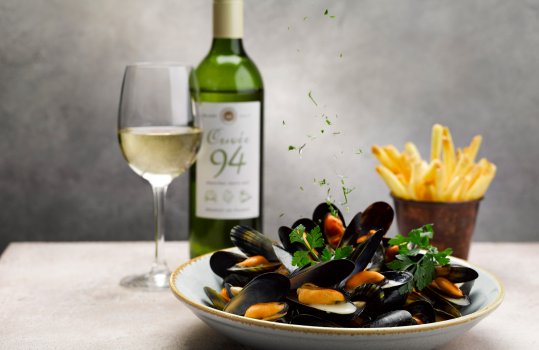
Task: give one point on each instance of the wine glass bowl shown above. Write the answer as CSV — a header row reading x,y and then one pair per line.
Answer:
x,y
159,137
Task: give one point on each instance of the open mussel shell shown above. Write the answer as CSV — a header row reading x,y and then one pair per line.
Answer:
x,y
238,280
321,211
435,294
368,298
326,274
255,270
391,319
456,273
216,299
252,242
363,253
306,222
422,311
466,287
441,305
262,289
284,257
221,261
284,237
331,310
352,231
396,279
377,216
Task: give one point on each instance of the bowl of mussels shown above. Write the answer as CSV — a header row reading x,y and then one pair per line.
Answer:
x,y
331,284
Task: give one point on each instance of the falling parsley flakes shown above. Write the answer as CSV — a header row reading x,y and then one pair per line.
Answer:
x,y
326,13
422,268
311,241
310,94
328,122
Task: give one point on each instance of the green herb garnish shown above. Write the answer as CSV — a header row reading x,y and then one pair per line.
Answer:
x,y
310,94
332,210
423,268
311,241
326,13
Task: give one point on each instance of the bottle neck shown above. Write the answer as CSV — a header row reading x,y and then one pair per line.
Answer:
x,y
227,46
228,19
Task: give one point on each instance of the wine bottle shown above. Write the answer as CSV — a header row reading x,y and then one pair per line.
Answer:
x,y
226,181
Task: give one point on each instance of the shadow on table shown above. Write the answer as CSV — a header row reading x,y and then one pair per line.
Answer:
x,y
201,336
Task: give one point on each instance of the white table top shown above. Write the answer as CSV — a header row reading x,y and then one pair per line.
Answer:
x,y
66,296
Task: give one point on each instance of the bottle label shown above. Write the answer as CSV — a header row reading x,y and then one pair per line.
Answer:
x,y
228,164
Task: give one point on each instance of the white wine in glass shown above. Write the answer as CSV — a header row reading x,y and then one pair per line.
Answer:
x,y
159,137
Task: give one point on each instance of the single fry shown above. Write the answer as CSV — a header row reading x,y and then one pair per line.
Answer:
x,y
436,142
411,149
384,159
430,172
448,151
395,156
439,183
391,180
473,149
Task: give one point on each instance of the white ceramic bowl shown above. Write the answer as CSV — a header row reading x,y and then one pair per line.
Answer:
x,y
188,280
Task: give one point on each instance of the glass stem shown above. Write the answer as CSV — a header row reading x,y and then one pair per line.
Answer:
x,y
159,196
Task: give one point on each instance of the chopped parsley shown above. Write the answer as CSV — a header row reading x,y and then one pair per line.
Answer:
x,y
422,268
311,241
310,94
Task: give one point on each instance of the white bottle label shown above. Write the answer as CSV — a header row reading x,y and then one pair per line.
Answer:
x,y
228,164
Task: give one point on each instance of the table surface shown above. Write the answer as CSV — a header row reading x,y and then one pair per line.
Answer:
x,y
66,296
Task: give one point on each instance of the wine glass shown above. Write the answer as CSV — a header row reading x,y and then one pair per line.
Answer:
x,y
159,137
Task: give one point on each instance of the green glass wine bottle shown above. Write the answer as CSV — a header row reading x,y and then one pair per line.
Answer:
x,y
226,181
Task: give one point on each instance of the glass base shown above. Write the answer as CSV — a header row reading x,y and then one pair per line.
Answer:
x,y
155,280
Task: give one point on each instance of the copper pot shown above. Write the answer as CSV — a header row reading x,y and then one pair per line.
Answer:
x,y
454,222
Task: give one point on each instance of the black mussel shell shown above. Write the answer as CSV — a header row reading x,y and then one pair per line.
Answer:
x,y
252,242
237,279
436,295
372,295
394,300
352,231
311,320
320,213
422,310
306,222
377,262
284,237
391,319
377,216
466,287
264,288
363,253
284,257
255,270
456,273
230,290
216,299
221,261
326,274
441,304
396,279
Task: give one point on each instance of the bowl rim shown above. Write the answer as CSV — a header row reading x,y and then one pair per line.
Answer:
x,y
340,330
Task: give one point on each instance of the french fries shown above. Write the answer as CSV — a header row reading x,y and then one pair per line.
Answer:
x,y
449,176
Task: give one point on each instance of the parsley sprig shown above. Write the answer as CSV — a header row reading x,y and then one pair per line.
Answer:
x,y
422,268
313,240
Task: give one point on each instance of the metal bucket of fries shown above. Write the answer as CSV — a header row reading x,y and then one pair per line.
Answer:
x,y
454,222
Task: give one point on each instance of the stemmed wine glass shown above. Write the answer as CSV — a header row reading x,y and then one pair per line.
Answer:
x,y
159,137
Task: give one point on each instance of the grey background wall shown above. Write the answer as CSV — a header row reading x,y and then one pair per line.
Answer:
x,y
405,65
